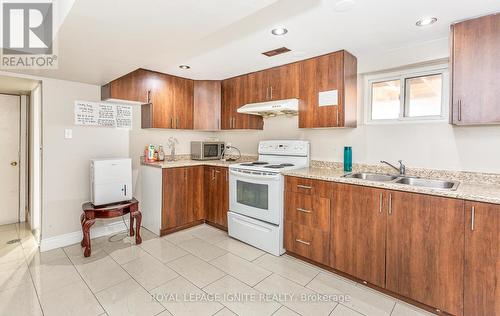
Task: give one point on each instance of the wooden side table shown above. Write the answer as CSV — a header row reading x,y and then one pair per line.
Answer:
x,y
91,213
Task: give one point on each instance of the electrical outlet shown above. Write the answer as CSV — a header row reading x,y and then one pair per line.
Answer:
x,y
68,133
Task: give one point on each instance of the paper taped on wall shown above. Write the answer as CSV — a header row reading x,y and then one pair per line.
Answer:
x,y
103,114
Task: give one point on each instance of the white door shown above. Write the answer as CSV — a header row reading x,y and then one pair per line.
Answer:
x,y
10,120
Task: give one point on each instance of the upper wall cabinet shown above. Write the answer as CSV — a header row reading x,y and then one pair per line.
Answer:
x,y
276,83
167,100
207,105
476,71
327,90
170,104
131,87
235,93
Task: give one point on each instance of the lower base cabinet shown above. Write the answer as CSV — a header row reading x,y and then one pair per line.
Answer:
x,y
358,237
425,250
482,259
441,252
217,195
182,197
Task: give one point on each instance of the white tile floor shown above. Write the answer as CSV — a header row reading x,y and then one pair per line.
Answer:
x,y
199,271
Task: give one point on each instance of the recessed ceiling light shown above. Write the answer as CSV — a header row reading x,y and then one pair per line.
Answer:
x,y
279,31
426,21
184,67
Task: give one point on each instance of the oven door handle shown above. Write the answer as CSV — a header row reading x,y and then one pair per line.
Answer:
x,y
254,176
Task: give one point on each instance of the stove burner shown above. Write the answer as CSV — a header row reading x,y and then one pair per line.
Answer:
x,y
260,163
282,165
274,166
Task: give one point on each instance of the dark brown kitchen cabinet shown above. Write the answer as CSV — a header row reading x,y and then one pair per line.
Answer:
x,y
328,73
167,101
482,259
216,195
133,87
425,249
475,62
276,83
171,103
183,202
358,232
307,242
207,105
235,93
307,218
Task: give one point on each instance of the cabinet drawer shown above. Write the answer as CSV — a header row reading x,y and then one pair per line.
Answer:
x,y
307,242
309,210
308,186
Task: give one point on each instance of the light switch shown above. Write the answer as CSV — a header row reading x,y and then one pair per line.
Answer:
x,y
68,133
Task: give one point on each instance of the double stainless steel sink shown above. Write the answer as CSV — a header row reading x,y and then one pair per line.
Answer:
x,y
405,180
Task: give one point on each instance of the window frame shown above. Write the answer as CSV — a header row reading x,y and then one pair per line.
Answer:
x,y
402,75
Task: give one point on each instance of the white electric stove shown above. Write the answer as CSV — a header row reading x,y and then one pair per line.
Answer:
x,y
256,193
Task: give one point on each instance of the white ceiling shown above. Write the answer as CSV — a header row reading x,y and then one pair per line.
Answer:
x,y
103,39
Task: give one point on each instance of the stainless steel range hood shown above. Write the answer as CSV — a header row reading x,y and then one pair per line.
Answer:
x,y
271,108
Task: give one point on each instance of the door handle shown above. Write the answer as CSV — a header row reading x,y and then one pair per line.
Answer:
x,y
473,215
303,242
390,203
380,203
303,210
459,110
13,164
301,186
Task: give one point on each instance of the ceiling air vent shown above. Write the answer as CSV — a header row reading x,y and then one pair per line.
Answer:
x,y
276,51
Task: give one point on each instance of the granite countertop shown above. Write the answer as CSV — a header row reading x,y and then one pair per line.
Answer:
x,y
189,163
472,191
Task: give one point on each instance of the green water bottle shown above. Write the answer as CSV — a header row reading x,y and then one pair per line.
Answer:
x,y
347,159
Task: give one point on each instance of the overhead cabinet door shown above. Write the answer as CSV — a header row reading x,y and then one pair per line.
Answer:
x,y
476,71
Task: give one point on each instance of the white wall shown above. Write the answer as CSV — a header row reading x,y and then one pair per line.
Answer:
x,y
66,179
35,142
426,145
139,138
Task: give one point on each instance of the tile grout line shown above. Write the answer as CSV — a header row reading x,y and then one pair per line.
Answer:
x,y
85,282
164,309
32,280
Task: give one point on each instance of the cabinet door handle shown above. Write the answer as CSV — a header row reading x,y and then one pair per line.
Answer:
x,y
380,203
148,96
459,110
218,124
176,122
213,174
390,203
171,122
337,116
234,122
267,93
301,186
303,242
303,210
473,215
271,93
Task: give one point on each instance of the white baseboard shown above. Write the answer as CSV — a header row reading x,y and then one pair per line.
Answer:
x,y
76,237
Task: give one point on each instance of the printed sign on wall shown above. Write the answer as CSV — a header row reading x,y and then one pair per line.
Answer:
x,y
103,114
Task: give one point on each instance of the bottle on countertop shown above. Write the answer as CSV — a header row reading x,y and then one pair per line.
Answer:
x,y
347,159
161,153
146,154
151,152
